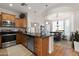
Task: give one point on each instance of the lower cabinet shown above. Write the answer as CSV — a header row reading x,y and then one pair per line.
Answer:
x,y
41,46
24,40
0,41
21,39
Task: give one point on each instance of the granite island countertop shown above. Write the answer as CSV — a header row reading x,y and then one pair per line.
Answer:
x,y
37,35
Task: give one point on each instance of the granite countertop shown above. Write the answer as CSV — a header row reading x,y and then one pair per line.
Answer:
x,y
8,30
37,34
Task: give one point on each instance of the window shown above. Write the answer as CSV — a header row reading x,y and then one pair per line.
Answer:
x,y
59,26
54,25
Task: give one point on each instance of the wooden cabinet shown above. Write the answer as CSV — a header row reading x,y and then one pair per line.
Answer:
x,y
6,16
24,40
0,41
0,20
41,46
20,22
21,39
18,38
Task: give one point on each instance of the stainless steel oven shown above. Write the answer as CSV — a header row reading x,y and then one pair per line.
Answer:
x,y
8,23
8,39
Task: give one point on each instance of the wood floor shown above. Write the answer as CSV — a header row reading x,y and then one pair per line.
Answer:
x,y
60,50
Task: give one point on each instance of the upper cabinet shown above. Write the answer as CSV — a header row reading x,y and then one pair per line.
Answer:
x,y
6,16
20,22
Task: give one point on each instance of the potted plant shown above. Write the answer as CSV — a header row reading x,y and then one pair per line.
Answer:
x,y
76,41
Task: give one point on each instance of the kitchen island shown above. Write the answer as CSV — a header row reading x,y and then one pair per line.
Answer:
x,y
37,43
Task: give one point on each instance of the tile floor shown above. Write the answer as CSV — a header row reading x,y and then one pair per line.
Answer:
x,y
16,50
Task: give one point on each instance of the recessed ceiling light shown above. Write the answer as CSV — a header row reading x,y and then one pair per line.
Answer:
x,y
46,22
10,4
34,24
29,8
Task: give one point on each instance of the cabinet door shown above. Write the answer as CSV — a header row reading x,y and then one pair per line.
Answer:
x,y
12,17
0,21
20,22
6,16
41,46
38,46
0,42
21,39
24,21
24,40
9,17
17,23
45,46
18,38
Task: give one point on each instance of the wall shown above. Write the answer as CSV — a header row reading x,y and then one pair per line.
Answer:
x,y
76,20
35,18
32,17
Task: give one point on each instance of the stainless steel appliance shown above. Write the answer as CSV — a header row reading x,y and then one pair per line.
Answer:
x,y
8,39
8,23
30,44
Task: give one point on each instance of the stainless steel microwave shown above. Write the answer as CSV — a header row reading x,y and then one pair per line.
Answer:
x,y
8,23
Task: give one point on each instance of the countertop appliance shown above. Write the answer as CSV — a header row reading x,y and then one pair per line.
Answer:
x,y
8,23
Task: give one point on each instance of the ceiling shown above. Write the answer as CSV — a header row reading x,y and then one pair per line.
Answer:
x,y
35,7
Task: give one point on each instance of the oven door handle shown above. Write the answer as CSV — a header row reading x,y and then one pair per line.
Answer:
x,y
8,34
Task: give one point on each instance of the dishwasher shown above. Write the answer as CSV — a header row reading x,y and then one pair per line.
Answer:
x,y
8,39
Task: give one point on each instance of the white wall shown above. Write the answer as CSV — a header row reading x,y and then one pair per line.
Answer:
x,y
35,18
76,20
